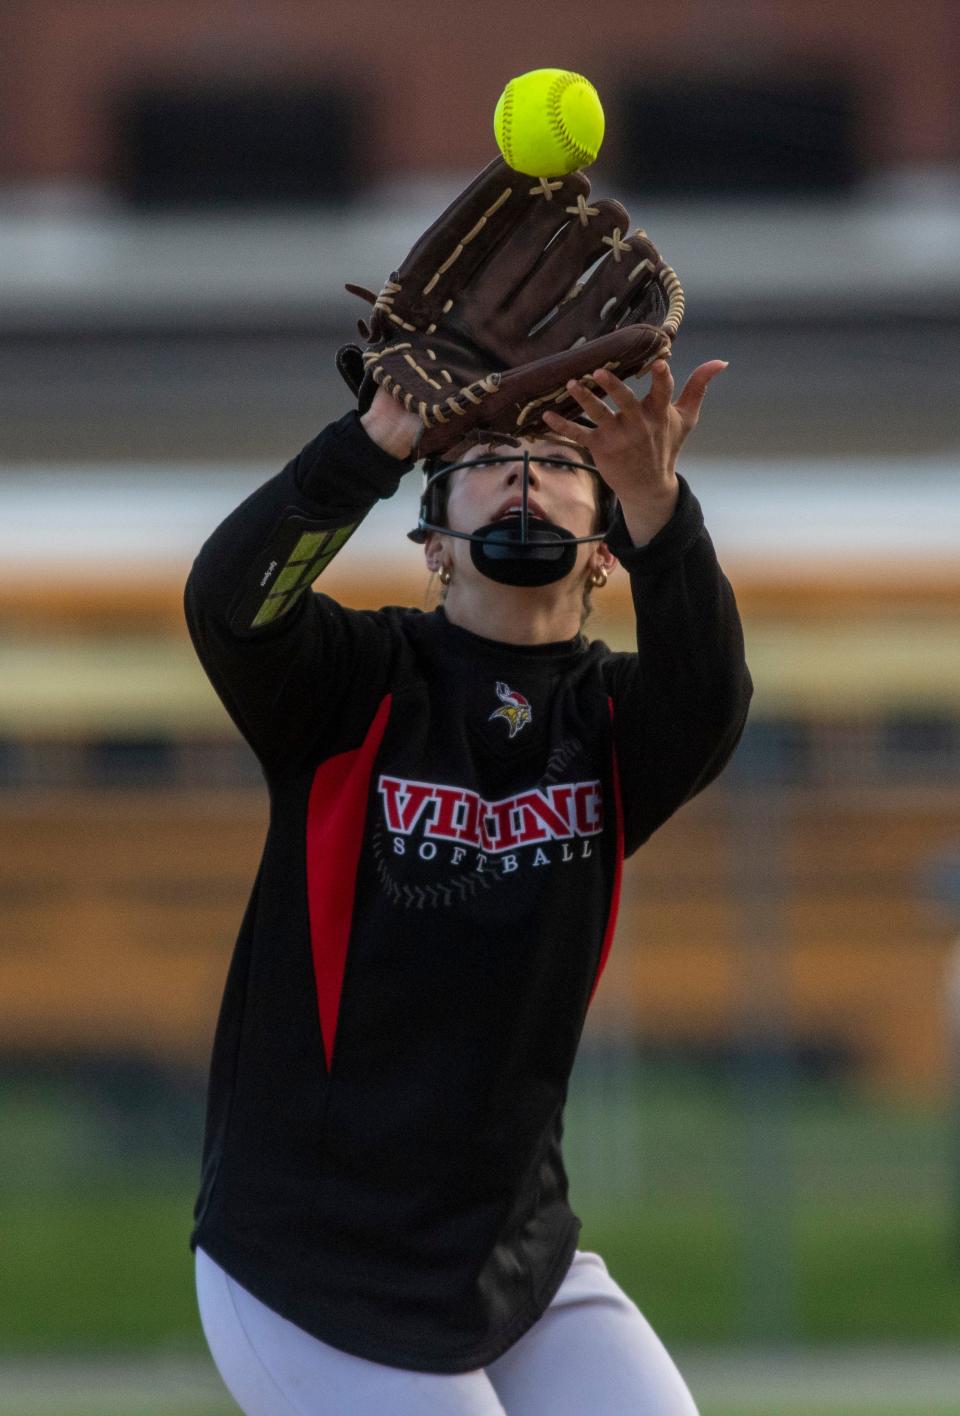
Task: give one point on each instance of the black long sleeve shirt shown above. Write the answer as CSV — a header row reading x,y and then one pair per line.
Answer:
x,y
433,908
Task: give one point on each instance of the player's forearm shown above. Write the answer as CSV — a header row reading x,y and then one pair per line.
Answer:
x,y
263,557
647,511
277,655
690,651
689,636
681,702
690,639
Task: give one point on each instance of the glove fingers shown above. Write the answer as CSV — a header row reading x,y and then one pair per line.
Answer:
x,y
574,250
536,263
625,351
445,259
621,290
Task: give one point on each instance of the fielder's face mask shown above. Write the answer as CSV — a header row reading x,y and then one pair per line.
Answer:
x,y
520,548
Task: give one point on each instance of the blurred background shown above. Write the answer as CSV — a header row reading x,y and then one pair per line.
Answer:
x,y
764,1126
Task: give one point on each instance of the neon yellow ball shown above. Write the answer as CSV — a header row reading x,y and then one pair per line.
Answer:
x,y
549,122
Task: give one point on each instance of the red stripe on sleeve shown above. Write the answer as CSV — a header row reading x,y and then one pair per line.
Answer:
x,y
336,813
618,869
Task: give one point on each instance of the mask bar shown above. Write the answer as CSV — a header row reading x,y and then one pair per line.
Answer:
x,y
426,523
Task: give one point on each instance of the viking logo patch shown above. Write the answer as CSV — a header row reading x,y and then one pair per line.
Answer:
x,y
514,708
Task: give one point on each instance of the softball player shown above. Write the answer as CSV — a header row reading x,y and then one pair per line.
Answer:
x,y
383,1223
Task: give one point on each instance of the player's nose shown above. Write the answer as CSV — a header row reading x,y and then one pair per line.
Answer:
x,y
514,474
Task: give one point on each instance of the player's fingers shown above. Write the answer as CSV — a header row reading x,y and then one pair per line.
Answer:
x,y
661,387
593,406
616,389
559,424
688,404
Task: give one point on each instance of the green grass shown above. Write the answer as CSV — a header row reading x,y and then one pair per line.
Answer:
x,y
845,1409
810,1215
112,1270
838,1227
230,1410
880,1271
872,1273
707,1409
107,1270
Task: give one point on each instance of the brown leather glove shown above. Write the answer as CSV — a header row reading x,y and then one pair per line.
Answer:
x,y
488,317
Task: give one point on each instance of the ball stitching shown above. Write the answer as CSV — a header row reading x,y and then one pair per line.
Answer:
x,y
506,123
557,89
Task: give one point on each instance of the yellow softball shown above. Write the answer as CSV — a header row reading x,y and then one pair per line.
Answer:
x,y
549,122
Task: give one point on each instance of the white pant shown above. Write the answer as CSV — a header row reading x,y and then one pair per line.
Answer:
x,y
592,1353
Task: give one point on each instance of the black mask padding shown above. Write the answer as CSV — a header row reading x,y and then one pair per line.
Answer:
x,y
500,552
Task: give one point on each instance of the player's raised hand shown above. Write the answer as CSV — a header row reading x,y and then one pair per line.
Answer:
x,y
636,441
391,426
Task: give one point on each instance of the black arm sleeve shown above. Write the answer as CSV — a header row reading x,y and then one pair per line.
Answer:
x,y
282,659
680,703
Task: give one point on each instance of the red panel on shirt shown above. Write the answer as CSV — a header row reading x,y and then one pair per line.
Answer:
x,y
618,870
335,820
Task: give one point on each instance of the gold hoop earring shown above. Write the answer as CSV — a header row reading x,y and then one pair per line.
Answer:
x,y
443,575
598,579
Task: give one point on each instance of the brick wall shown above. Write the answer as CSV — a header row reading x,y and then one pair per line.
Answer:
x,y
428,75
